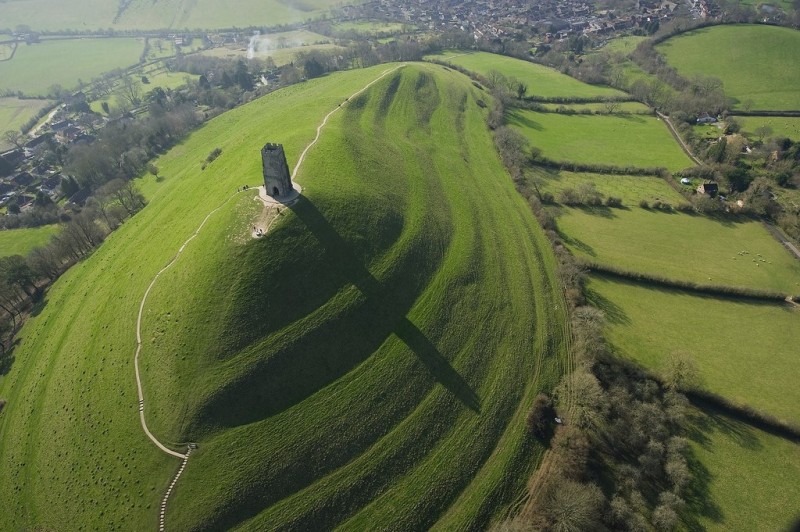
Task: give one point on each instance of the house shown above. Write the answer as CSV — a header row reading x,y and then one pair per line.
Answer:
x,y
709,189
22,179
706,119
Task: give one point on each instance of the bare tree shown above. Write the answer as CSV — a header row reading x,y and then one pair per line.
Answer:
x,y
14,137
130,90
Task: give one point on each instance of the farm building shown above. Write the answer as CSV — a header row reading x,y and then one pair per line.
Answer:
x,y
710,189
706,119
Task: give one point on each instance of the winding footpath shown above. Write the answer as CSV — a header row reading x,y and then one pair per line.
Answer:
x,y
185,457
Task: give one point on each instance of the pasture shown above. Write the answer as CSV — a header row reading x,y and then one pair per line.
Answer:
x,y
542,81
147,15
37,67
780,126
621,140
15,112
599,107
743,350
728,453
682,246
757,64
342,378
21,241
622,45
631,189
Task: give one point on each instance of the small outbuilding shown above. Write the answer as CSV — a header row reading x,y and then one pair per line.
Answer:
x,y
686,181
709,189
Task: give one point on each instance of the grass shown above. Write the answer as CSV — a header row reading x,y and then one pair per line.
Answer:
x,y
21,241
280,56
542,81
623,45
14,112
781,126
161,78
756,63
726,452
35,68
631,189
372,28
621,140
682,246
343,376
649,325
147,15
624,107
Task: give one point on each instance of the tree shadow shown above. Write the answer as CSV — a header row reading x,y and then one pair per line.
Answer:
x,y
628,117
598,210
614,313
521,120
300,366
7,359
578,244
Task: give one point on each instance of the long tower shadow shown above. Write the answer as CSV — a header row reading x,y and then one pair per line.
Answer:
x,y
386,303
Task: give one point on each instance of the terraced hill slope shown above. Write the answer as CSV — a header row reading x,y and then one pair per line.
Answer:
x,y
371,360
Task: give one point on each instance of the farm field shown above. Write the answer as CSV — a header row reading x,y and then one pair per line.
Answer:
x,y
631,189
145,14
781,126
649,325
162,78
682,247
542,81
744,57
598,107
371,28
623,45
280,56
621,140
728,452
21,241
14,112
26,72
385,382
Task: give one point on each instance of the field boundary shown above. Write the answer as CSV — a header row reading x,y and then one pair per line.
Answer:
x,y
720,291
664,118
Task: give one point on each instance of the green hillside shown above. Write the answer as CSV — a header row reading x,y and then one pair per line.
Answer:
x,y
370,361
755,63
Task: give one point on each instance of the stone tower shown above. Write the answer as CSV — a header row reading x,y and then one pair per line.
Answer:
x,y
276,172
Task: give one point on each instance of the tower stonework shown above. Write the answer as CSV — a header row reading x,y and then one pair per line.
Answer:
x,y
277,181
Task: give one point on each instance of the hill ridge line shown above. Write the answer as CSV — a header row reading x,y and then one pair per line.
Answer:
x,y
185,457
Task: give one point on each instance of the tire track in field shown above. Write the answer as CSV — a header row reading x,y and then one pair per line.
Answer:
x,y
140,394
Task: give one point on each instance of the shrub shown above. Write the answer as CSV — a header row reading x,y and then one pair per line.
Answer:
x,y
644,205
613,201
541,416
569,196
213,155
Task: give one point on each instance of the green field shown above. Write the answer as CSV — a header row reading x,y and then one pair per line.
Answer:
x,y
781,126
161,78
370,365
371,28
623,45
21,241
621,140
37,67
542,81
146,14
649,325
15,112
621,108
682,246
749,477
755,63
631,189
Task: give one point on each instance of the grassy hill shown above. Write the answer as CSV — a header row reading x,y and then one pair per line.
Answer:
x,y
542,81
370,361
21,241
755,63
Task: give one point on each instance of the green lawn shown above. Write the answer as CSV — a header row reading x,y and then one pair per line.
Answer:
x,y
781,126
332,372
682,246
631,189
36,67
756,63
21,241
621,140
749,477
743,350
146,14
623,45
15,112
542,81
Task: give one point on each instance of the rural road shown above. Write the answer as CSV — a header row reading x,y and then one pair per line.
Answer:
x,y
675,134
185,457
782,239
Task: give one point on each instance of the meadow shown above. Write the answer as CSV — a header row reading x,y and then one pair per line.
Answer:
x,y
743,57
621,140
15,112
630,189
728,453
342,380
623,45
21,241
145,14
686,247
600,107
157,78
780,126
650,325
542,81
37,67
